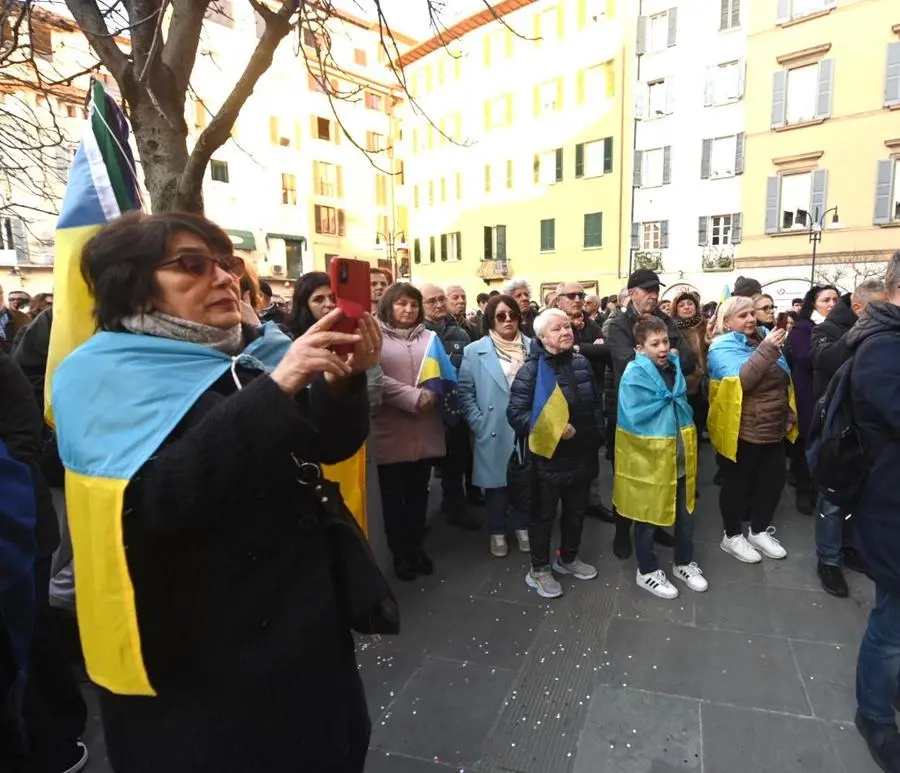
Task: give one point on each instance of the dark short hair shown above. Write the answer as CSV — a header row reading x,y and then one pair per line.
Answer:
x,y
490,311
782,318
796,300
393,294
119,263
301,318
482,298
812,295
383,271
265,288
493,293
647,326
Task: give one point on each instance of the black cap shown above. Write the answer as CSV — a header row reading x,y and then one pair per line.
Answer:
x,y
645,279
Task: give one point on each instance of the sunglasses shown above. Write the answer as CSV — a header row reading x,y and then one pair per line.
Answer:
x,y
505,316
769,307
199,264
573,296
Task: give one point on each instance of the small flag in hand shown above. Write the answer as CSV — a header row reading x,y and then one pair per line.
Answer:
x,y
438,375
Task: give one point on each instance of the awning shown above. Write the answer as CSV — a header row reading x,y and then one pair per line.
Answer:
x,y
288,237
242,240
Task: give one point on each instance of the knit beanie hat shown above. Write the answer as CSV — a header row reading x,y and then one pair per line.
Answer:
x,y
746,287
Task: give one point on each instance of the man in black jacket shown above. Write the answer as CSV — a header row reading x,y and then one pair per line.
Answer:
x,y
456,469
643,295
830,351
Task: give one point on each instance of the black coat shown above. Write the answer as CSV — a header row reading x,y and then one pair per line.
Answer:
x,y
620,339
875,345
243,632
830,349
21,426
575,460
454,338
598,355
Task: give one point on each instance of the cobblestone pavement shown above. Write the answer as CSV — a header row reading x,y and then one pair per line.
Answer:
x,y
755,675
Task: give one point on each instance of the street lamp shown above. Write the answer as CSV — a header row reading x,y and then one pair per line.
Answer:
x,y
392,243
815,235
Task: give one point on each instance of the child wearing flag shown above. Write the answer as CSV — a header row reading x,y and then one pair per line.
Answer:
x,y
555,403
656,458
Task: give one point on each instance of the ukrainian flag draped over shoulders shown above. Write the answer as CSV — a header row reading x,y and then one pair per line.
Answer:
x,y
549,412
650,419
727,353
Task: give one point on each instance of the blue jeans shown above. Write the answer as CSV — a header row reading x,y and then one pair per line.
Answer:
x,y
500,517
878,667
829,532
684,536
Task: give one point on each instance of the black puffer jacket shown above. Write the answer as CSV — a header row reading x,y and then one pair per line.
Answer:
x,y
575,460
829,347
454,338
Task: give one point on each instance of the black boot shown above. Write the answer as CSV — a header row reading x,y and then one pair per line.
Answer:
x,y
622,540
832,579
405,568
883,742
602,512
422,563
852,560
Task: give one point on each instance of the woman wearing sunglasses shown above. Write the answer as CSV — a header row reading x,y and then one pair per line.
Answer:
x,y
214,608
488,369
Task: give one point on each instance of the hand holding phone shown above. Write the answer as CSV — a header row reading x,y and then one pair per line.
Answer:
x,y
350,284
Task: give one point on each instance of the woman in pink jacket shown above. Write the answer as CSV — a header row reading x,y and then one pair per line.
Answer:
x,y
408,430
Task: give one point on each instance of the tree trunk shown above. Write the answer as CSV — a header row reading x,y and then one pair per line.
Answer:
x,y
162,147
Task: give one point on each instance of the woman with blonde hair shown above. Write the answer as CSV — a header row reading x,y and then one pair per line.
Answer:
x,y
751,411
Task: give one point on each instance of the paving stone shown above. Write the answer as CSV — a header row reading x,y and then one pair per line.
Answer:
x,y
747,741
829,675
814,616
628,731
737,668
385,762
384,672
734,607
849,748
444,713
635,603
797,571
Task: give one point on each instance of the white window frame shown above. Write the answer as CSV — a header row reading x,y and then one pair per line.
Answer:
x,y
801,98
722,157
651,161
651,235
658,32
548,93
722,81
593,158
730,26
720,230
808,7
895,193
800,188
499,112
326,182
452,241
547,170
658,90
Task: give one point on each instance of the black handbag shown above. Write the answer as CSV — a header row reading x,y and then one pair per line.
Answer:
x,y
367,598
521,478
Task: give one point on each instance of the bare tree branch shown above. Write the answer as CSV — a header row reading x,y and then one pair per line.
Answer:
x,y
87,15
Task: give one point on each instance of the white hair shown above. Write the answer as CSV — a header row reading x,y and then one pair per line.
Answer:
x,y
623,295
516,284
734,305
543,320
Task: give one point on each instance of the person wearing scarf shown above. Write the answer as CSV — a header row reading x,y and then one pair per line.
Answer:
x,y
488,369
689,320
216,569
751,411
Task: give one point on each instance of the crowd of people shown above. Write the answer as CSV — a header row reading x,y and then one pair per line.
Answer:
x,y
235,406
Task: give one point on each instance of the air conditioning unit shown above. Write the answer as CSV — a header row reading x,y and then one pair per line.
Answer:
x,y
278,270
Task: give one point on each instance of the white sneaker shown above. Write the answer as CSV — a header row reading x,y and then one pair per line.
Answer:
x,y
740,549
577,568
499,547
657,583
766,544
691,575
522,539
543,581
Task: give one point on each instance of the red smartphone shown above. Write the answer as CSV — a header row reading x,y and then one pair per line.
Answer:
x,y
351,286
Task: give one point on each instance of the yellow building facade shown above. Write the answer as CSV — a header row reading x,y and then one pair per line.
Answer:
x,y
823,137
516,141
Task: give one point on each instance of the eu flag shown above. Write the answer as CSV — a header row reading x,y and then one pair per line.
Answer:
x,y
549,413
438,375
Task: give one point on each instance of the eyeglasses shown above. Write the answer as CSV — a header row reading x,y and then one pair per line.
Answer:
x,y
768,307
505,316
435,301
573,296
199,264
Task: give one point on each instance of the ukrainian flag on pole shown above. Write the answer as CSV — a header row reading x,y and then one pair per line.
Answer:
x,y
102,185
437,374
549,413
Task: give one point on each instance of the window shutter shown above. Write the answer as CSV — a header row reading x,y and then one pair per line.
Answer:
x,y
773,202
509,108
883,192
579,160
639,101
501,242
779,94
724,15
735,13
705,157
19,239
610,8
607,155
559,164
667,165
703,231
742,76
635,236
892,76
560,22
663,234
582,13
315,178
431,251
341,225
273,129
317,213
417,250
641,47
826,86
739,153
459,245
636,172
579,87
610,72
737,228
339,181
314,126
537,101
670,94
488,242
537,29
559,92
537,168
673,26
487,50
709,88
818,193
487,116
784,11
444,255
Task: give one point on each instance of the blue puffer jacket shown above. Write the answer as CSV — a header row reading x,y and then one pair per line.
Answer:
x,y
875,343
575,460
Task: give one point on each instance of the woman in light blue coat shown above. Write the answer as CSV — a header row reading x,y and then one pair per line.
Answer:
x,y
488,369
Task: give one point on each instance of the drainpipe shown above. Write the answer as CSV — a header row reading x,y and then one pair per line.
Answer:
x,y
637,80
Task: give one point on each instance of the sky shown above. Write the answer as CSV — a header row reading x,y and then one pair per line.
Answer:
x,y
411,16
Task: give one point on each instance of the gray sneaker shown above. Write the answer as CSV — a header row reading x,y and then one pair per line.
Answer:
x,y
577,568
543,581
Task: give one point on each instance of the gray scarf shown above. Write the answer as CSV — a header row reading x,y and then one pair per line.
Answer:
x,y
155,323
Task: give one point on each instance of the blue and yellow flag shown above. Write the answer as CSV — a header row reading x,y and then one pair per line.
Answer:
x,y
102,185
727,353
649,422
437,374
549,412
726,294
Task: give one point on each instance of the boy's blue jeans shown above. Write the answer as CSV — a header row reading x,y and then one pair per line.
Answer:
x,y
829,532
684,536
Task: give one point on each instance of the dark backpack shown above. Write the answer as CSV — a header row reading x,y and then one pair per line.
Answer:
x,y
839,459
